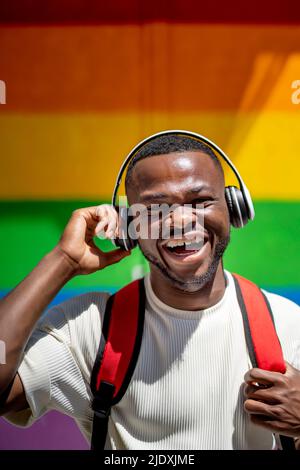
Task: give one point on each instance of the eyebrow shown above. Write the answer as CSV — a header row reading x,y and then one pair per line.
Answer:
x,y
149,196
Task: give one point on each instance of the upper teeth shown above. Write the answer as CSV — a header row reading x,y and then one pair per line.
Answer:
x,y
173,243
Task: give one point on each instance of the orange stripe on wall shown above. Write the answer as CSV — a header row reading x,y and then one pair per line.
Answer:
x,y
163,67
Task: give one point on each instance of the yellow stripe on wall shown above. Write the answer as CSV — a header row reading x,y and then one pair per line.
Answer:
x,y
78,155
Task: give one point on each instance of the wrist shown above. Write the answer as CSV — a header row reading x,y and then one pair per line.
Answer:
x,y
69,266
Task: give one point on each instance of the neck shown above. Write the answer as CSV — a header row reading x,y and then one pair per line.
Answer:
x,y
210,294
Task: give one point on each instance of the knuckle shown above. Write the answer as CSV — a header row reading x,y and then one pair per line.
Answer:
x,y
289,392
249,390
286,380
247,405
112,215
283,381
77,212
100,210
277,411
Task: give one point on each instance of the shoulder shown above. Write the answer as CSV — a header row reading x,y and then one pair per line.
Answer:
x,y
287,323
77,322
89,304
77,309
286,312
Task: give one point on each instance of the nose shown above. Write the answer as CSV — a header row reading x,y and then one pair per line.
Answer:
x,y
182,216
182,220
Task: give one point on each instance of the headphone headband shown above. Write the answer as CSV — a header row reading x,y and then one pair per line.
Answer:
x,y
198,137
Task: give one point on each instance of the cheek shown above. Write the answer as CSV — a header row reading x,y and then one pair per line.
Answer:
x,y
148,245
155,228
217,220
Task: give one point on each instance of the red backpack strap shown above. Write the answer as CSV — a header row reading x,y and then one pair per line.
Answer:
x,y
261,337
117,355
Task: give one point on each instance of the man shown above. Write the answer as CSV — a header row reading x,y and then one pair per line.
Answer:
x,y
187,390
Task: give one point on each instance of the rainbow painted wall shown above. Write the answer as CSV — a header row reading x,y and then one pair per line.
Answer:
x,y
83,86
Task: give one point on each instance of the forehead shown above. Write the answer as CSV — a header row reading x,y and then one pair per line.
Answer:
x,y
176,172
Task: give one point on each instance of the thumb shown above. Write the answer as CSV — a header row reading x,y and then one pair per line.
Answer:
x,y
114,256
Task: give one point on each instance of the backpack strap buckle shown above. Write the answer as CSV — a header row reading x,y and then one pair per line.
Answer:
x,y
102,401
101,413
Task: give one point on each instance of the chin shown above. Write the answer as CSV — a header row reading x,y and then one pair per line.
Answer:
x,y
189,276
193,283
191,286
189,282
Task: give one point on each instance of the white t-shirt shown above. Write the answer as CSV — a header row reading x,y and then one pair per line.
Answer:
x,y
187,388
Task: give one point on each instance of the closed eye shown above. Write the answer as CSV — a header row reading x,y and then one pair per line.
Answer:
x,y
203,200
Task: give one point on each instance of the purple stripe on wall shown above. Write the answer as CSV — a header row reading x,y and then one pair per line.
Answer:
x,y
54,431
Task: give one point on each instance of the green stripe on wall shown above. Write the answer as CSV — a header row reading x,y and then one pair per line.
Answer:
x,y
266,251
30,229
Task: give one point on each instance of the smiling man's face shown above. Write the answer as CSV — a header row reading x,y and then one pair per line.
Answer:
x,y
187,177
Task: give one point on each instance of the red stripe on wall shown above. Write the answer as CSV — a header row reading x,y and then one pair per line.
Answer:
x,y
139,11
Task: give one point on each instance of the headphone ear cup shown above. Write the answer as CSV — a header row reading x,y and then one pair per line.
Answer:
x,y
229,203
124,241
236,206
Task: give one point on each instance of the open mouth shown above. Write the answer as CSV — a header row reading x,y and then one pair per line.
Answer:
x,y
192,248
183,248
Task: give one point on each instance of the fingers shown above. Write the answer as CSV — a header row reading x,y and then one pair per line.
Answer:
x,y
105,229
269,423
78,230
77,239
263,377
255,407
107,226
268,416
275,425
267,395
94,259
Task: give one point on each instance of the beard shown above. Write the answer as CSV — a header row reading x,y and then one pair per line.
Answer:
x,y
195,283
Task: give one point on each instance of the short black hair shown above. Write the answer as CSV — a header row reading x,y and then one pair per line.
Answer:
x,y
165,144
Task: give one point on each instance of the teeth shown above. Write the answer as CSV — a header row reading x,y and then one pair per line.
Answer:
x,y
174,243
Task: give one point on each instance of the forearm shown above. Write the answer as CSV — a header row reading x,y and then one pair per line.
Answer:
x,y
22,307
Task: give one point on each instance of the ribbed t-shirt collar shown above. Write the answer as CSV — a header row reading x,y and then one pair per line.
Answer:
x,y
158,306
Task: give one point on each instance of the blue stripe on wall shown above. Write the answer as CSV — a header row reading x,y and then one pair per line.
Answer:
x,y
290,293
